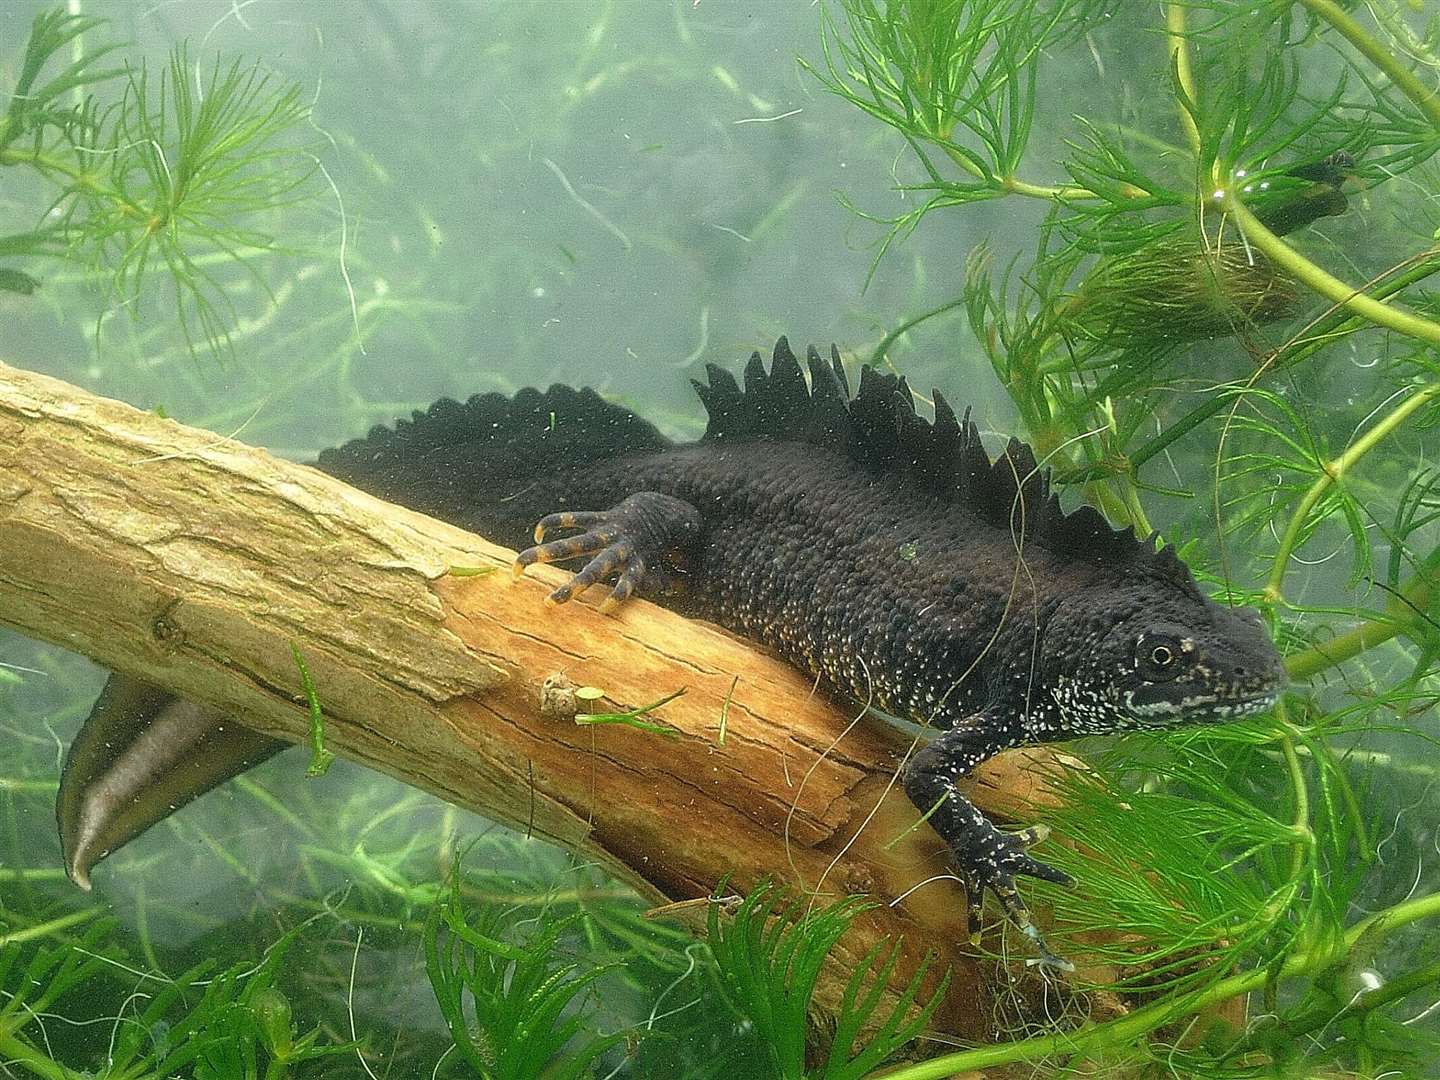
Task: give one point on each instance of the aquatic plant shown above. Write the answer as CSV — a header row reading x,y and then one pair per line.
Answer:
x,y
768,951
184,166
508,1004
224,1026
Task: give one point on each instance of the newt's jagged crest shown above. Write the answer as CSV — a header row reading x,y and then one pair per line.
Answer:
x,y
425,461
880,430
454,457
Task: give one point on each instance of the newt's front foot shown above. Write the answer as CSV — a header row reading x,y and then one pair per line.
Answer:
x,y
628,543
987,859
992,864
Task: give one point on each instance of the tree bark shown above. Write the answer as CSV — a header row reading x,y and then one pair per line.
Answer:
x,y
194,562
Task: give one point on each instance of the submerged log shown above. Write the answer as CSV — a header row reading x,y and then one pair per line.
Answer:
x,y
194,562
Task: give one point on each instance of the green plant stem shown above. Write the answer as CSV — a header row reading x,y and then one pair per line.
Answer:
x,y
1342,647
1323,282
1184,72
879,356
32,873
1013,185
1136,512
1324,1013
320,758
16,1051
1304,838
1126,1029
1016,186
1380,55
81,178
1405,611
1332,472
28,787
30,933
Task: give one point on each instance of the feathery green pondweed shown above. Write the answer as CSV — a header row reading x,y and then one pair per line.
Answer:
x,y
509,1004
768,955
179,167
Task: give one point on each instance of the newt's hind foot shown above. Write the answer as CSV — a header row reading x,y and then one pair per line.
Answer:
x,y
627,543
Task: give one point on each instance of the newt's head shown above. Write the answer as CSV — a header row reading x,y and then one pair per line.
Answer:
x,y
1147,650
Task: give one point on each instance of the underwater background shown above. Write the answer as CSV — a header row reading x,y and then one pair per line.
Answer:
x,y
486,196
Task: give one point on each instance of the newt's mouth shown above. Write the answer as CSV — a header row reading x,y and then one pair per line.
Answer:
x,y
1237,708
1198,708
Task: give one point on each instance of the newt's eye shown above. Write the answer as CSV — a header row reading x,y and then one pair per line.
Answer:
x,y
1157,657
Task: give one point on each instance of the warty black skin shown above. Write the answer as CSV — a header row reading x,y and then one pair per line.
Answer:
x,y
892,594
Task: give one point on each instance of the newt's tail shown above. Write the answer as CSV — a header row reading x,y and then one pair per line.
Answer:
x,y
141,755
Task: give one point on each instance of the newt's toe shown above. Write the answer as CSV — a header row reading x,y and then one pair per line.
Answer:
x,y
567,519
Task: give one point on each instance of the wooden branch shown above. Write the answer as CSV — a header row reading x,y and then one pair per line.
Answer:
x,y
194,562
